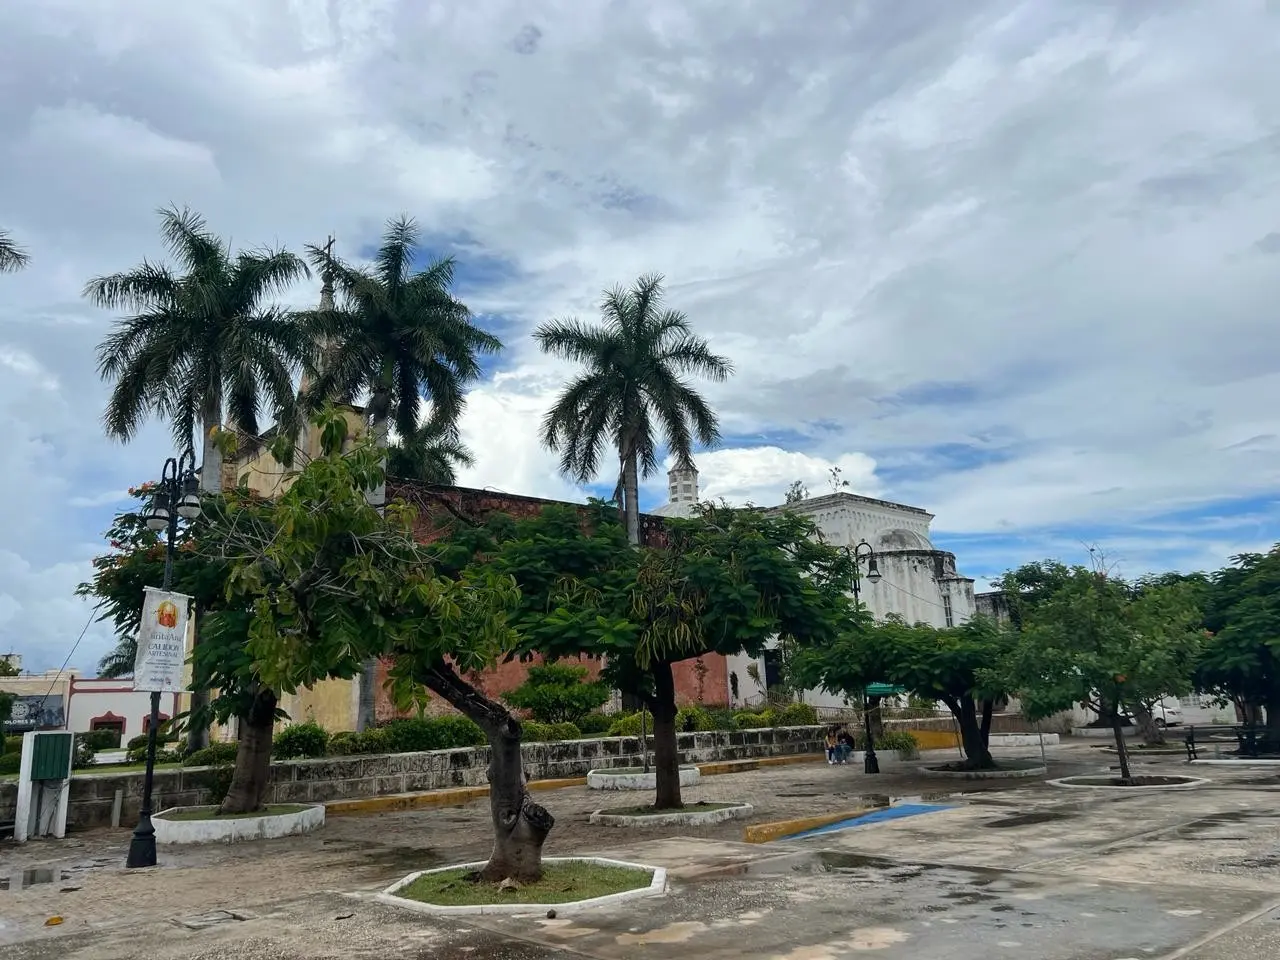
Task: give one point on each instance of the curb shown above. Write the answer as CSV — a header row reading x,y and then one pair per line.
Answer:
x,y
766,832
676,818
718,767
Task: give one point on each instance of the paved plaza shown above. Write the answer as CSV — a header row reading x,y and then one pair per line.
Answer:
x,y
1014,868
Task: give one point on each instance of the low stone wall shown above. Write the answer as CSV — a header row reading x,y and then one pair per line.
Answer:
x,y
344,778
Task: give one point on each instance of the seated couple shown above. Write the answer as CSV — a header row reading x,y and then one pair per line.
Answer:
x,y
840,745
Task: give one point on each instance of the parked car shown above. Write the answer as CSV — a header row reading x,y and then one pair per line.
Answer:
x,y
1168,712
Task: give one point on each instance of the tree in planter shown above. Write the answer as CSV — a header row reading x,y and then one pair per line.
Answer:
x,y
1241,657
558,693
329,581
952,665
1094,639
725,582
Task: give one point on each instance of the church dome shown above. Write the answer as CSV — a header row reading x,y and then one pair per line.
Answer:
x,y
897,538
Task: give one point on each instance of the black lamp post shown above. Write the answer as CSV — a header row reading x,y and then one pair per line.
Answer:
x,y
864,552
176,497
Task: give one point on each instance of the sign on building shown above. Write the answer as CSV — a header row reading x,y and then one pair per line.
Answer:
x,y
35,713
162,642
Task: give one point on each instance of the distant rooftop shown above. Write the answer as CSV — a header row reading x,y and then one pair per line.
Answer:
x,y
829,500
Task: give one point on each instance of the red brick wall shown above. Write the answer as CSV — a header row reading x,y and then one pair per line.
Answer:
x,y
442,509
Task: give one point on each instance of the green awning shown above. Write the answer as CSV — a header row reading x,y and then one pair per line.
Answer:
x,y
884,690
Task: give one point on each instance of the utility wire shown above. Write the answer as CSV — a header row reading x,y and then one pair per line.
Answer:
x,y
71,653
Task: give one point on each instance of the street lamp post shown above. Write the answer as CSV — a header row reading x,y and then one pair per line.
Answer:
x,y
175,498
870,762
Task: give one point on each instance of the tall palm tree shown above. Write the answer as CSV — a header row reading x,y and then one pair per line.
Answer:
x,y
432,453
395,336
635,383
12,256
202,344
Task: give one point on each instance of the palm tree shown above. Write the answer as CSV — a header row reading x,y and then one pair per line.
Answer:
x,y
202,344
637,361
12,256
399,337
432,453
394,335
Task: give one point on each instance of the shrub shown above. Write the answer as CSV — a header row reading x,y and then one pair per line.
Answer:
x,y
12,744
374,740
693,718
594,724
214,755
300,740
901,740
751,721
558,693
721,718
417,734
10,764
798,715
459,731
628,725
83,752
535,732
101,739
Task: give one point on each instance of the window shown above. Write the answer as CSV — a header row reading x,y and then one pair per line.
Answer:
x,y
946,609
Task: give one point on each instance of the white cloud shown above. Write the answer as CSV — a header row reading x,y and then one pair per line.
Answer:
x,y
1000,259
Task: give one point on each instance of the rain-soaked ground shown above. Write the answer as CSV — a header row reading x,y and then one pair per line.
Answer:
x,y
1020,870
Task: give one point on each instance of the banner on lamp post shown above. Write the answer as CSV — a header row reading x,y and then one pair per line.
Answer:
x,y
162,642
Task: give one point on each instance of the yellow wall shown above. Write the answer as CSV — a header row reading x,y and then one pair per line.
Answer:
x,y
330,703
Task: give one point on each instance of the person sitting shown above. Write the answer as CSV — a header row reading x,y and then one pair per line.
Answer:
x,y
833,746
844,744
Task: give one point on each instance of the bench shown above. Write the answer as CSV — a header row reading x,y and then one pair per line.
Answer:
x,y
1250,741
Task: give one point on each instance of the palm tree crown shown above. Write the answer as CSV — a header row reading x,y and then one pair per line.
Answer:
x,y
12,256
202,343
432,453
635,384
395,333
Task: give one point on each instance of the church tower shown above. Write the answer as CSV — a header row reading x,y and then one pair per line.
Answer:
x,y
682,487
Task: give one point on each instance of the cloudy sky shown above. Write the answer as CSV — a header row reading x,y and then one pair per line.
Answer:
x,y
1017,263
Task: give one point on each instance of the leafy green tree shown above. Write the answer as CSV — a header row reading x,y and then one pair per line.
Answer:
x,y
558,693
955,665
635,384
432,454
797,492
1096,640
1241,657
12,256
395,335
202,344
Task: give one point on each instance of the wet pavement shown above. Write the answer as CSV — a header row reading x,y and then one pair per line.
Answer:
x,y
1022,870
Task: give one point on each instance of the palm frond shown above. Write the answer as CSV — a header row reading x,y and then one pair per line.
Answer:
x,y
12,256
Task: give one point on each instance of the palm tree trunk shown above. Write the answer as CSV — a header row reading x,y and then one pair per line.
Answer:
x,y
211,458
631,495
367,707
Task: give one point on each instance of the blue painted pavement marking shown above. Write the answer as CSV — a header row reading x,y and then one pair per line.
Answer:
x,y
876,816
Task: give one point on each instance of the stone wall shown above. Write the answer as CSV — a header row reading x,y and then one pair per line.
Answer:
x,y
344,778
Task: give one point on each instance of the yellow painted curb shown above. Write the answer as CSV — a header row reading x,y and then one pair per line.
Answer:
x,y
764,832
448,797
742,766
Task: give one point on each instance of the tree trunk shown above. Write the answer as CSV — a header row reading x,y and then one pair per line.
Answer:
x,y
367,705
977,756
197,726
253,757
631,493
876,716
1122,751
1145,721
211,457
666,755
988,707
520,826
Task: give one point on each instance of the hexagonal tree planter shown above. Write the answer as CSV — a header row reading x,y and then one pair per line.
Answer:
x,y
694,815
1004,770
180,825
1147,782
653,883
634,778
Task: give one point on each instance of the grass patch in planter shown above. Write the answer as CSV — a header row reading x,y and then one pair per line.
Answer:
x,y
211,813
562,882
701,806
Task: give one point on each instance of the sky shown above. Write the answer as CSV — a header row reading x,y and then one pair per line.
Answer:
x,y
1014,262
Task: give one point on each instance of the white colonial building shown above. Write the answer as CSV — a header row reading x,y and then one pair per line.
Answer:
x,y
917,581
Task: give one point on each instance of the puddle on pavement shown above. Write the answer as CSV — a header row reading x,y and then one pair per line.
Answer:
x,y
401,860
35,876
1027,819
